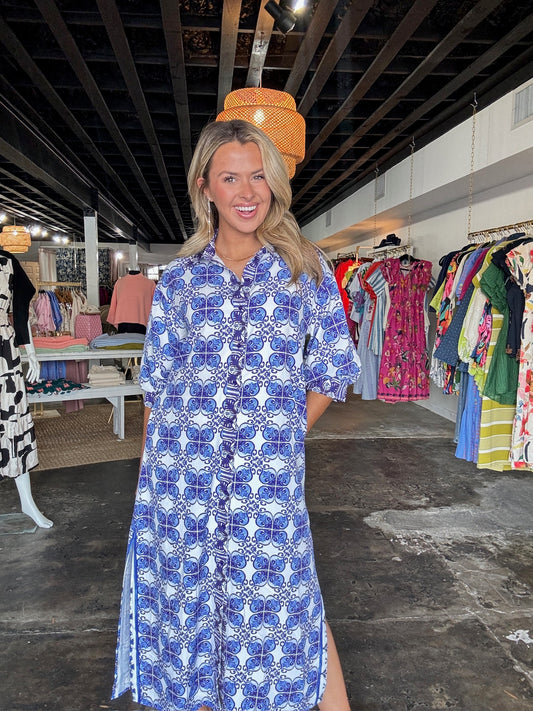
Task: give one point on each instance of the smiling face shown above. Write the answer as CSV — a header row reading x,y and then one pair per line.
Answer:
x,y
236,184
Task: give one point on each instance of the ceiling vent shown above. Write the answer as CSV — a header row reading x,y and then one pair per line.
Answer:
x,y
328,218
523,105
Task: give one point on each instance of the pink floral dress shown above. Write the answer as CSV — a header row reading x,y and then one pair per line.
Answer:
x,y
520,261
404,368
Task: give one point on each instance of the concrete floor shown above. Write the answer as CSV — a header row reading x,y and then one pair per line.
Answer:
x,y
426,565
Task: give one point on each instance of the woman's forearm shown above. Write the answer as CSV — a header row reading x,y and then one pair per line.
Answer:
x,y
317,404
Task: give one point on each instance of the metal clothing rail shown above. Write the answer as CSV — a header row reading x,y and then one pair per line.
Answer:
x,y
58,283
391,251
503,231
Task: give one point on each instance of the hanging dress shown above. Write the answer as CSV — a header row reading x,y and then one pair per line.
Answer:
x,y
18,448
520,261
221,604
403,372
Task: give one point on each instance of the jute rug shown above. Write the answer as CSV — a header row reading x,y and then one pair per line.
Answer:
x,y
86,436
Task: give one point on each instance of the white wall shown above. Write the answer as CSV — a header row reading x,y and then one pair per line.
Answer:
x,y
502,194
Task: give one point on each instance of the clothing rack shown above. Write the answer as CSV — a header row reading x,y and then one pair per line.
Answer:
x,y
499,232
390,251
58,283
348,255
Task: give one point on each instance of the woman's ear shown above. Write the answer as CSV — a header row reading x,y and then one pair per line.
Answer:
x,y
202,184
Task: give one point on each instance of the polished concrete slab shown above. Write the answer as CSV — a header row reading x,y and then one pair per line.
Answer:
x,y
425,561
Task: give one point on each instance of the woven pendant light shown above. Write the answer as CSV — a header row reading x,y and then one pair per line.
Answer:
x,y
274,112
15,238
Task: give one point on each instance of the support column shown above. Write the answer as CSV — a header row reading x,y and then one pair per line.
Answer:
x,y
90,226
134,256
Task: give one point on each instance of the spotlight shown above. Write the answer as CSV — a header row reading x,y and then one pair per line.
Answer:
x,y
3,217
284,17
119,255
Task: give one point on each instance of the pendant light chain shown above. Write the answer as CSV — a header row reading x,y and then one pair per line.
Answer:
x,y
410,215
375,240
472,157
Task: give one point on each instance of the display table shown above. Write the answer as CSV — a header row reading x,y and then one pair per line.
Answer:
x,y
115,394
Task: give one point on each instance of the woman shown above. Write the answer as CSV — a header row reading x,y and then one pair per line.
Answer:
x,y
247,345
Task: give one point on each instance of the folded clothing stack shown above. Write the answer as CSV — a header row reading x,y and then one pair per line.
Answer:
x,y
106,375
59,344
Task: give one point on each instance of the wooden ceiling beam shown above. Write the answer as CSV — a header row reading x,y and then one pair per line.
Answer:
x,y
309,45
485,60
228,44
64,38
263,33
467,23
38,79
353,17
119,41
419,10
170,13
514,68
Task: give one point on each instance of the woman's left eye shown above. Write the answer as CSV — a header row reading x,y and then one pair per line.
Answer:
x,y
259,177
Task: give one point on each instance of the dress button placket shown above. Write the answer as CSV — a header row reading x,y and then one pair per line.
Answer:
x,y
232,392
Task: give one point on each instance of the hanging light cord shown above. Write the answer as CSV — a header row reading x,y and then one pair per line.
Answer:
x,y
410,215
472,156
375,241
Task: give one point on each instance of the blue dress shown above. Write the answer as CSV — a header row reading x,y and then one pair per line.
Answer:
x,y
221,605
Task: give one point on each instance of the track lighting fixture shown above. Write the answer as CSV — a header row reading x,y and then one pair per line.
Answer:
x,y
284,17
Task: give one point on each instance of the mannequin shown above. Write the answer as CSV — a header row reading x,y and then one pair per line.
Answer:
x,y
131,302
18,450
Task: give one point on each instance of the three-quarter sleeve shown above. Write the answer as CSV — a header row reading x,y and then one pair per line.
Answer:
x,y
164,347
23,291
331,362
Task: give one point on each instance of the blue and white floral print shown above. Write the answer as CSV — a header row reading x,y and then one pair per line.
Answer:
x,y
221,605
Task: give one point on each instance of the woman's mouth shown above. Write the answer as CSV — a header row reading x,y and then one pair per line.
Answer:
x,y
246,210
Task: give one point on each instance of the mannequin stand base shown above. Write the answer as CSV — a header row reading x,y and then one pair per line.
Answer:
x,y
14,523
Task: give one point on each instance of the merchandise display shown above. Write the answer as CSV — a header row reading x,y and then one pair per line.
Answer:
x,y
386,299
482,349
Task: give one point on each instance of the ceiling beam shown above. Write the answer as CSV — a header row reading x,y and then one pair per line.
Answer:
x,y
26,63
418,11
170,14
350,22
467,23
263,33
64,38
20,145
117,36
309,45
228,44
486,59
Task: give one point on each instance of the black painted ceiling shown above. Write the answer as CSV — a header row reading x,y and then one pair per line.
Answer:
x,y
102,100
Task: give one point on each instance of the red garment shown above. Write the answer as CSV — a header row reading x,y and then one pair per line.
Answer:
x,y
132,300
340,271
88,326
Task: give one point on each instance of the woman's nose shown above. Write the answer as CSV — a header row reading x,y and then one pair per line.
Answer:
x,y
247,190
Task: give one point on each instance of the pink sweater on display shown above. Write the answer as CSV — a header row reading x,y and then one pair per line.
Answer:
x,y
132,300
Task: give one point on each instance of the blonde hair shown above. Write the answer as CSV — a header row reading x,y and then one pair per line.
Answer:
x,y
279,229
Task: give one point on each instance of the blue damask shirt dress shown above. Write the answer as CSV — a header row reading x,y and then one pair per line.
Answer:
x,y
221,605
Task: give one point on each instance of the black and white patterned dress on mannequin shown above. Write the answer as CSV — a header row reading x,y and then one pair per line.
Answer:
x,y
18,448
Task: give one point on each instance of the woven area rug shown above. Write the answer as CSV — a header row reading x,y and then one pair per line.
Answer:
x,y
86,436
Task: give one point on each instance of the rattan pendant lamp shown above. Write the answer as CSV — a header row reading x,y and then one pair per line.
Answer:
x,y
15,238
274,112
